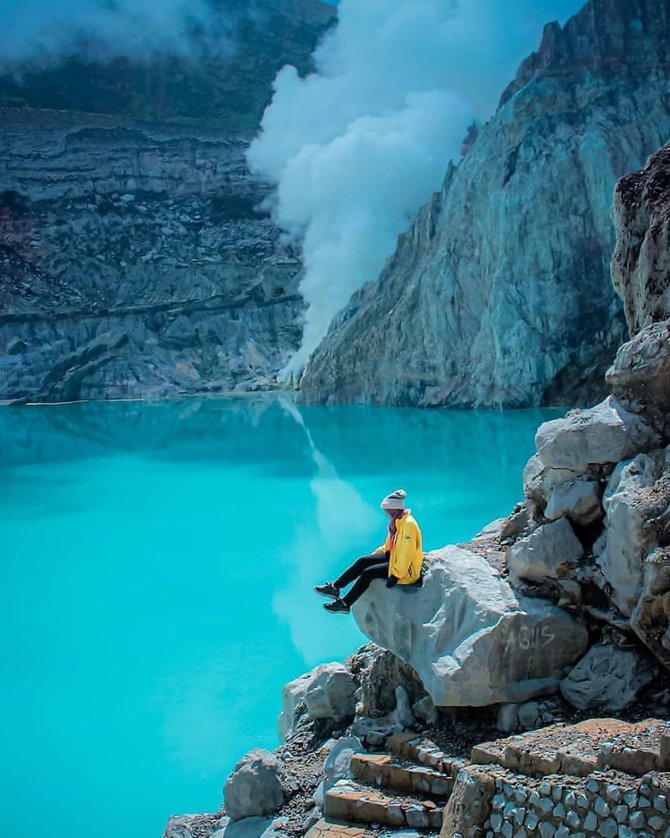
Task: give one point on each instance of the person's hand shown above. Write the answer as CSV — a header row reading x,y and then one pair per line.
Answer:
x,y
391,581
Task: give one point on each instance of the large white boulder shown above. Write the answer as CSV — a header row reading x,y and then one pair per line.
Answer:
x,y
326,692
579,500
379,673
540,480
293,704
606,433
331,693
607,677
470,638
255,827
545,553
337,765
629,533
641,369
254,788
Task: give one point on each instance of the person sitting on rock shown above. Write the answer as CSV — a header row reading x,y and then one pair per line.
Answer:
x,y
398,559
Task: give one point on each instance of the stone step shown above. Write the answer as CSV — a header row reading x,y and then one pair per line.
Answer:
x,y
579,750
382,771
417,748
352,803
324,829
405,833
645,747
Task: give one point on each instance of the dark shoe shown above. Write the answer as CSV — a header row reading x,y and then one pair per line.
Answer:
x,y
328,590
338,606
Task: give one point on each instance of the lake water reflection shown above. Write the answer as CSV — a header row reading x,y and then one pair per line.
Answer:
x,y
157,562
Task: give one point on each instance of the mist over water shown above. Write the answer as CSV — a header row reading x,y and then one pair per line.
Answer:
x,y
157,562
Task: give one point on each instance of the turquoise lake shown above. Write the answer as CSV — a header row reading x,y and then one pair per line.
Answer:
x,y
157,563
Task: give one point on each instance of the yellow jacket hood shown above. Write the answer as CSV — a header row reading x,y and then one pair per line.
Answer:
x,y
407,551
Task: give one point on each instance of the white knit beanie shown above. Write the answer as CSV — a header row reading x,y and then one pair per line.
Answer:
x,y
396,500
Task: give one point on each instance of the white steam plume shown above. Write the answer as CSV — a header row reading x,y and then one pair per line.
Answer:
x,y
357,147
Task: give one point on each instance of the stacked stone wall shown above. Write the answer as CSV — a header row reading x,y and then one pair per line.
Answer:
x,y
605,804
604,778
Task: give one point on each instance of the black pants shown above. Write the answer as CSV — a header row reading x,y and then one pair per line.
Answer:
x,y
364,570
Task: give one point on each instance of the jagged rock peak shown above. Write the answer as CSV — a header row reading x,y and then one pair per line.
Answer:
x,y
606,36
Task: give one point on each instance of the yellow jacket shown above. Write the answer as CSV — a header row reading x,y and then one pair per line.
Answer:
x,y
407,552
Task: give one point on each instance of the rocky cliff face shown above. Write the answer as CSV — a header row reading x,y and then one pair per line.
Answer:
x,y
500,294
621,447
134,263
592,535
134,258
640,374
641,261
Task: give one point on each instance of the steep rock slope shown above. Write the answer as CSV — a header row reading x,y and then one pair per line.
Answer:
x,y
134,259
620,448
500,295
641,261
592,534
640,374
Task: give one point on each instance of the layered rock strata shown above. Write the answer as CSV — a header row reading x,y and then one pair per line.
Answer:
x,y
135,262
500,295
135,258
